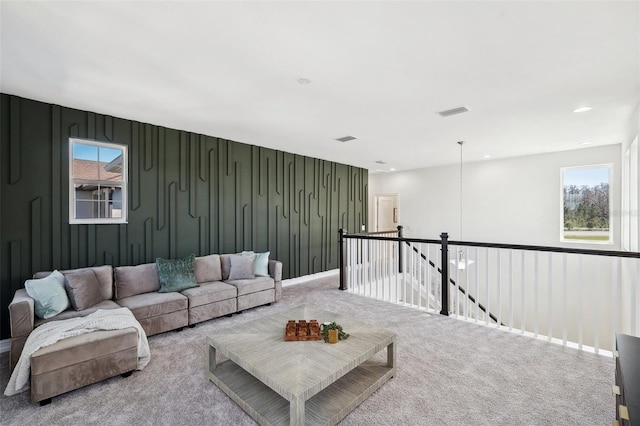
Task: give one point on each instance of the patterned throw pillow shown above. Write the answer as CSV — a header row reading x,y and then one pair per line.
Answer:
x,y
176,274
48,294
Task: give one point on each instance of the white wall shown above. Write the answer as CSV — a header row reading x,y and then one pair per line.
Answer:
x,y
515,200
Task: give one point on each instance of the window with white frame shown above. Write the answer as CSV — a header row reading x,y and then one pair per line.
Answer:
x,y
97,182
586,204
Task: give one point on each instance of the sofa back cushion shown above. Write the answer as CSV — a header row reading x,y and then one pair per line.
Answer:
x,y
225,265
139,279
104,275
83,289
208,269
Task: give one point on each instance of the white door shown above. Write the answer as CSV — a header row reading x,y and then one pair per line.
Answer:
x,y
386,212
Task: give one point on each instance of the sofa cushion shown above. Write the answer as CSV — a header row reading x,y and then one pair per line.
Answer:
x,y
209,292
104,274
207,268
241,268
150,305
176,274
139,279
260,263
252,285
83,289
225,265
48,293
85,347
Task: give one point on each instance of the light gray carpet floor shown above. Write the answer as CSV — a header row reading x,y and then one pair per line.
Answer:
x,y
449,373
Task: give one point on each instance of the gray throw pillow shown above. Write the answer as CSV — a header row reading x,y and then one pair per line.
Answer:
x,y
83,289
176,274
241,268
48,294
207,268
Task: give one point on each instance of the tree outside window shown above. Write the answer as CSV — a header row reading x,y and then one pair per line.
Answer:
x,y
586,204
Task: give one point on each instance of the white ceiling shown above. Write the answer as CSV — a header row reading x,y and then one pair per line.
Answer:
x,y
379,71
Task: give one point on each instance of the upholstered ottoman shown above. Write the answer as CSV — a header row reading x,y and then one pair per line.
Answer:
x,y
78,361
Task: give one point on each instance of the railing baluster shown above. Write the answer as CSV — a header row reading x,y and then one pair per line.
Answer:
x,y
477,282
383,267
550,298
427,272
564,299
391,269
523,316
580,301
488,267
457,282
466,283
510,290
420,275
615,308
498,275
535,297
370,266
357,269
634,295
596,308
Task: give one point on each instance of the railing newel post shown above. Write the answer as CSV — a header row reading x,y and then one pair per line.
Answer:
x,y
342,258
400,247
444,247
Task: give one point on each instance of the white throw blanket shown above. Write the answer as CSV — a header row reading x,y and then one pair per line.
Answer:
x,y
49,333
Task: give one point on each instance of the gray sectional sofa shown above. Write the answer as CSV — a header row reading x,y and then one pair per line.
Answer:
x,y
219,291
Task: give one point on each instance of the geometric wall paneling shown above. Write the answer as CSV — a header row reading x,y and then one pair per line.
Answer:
x,y
187,193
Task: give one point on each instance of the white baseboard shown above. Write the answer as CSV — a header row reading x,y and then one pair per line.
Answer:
x,y
4,345
306,278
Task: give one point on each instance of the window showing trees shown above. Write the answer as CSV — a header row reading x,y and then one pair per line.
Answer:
x,y
97,182
586,204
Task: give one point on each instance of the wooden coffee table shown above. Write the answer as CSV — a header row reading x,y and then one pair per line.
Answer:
x,y
297,383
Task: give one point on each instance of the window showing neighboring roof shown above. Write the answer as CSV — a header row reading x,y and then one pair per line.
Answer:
x,y
97,182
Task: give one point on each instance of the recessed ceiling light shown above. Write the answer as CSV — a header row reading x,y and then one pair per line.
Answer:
x,y
304,80
486,156
345,139
586,143
582,109
392,169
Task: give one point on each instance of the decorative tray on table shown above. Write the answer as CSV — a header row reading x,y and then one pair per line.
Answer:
x,y
302,330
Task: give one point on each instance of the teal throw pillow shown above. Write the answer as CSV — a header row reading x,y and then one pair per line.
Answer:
x,y
49,295
260,263
176,274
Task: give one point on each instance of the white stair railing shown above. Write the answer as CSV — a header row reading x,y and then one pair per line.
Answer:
x,y
579,299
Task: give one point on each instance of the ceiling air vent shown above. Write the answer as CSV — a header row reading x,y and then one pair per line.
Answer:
x,y
453,111
381,162
345,139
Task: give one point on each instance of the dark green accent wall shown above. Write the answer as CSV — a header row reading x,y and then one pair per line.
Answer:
x,y
188,193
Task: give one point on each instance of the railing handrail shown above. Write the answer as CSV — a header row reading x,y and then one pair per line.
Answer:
x,y
507,246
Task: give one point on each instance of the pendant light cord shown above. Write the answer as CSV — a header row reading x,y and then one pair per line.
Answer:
x,y
460,143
